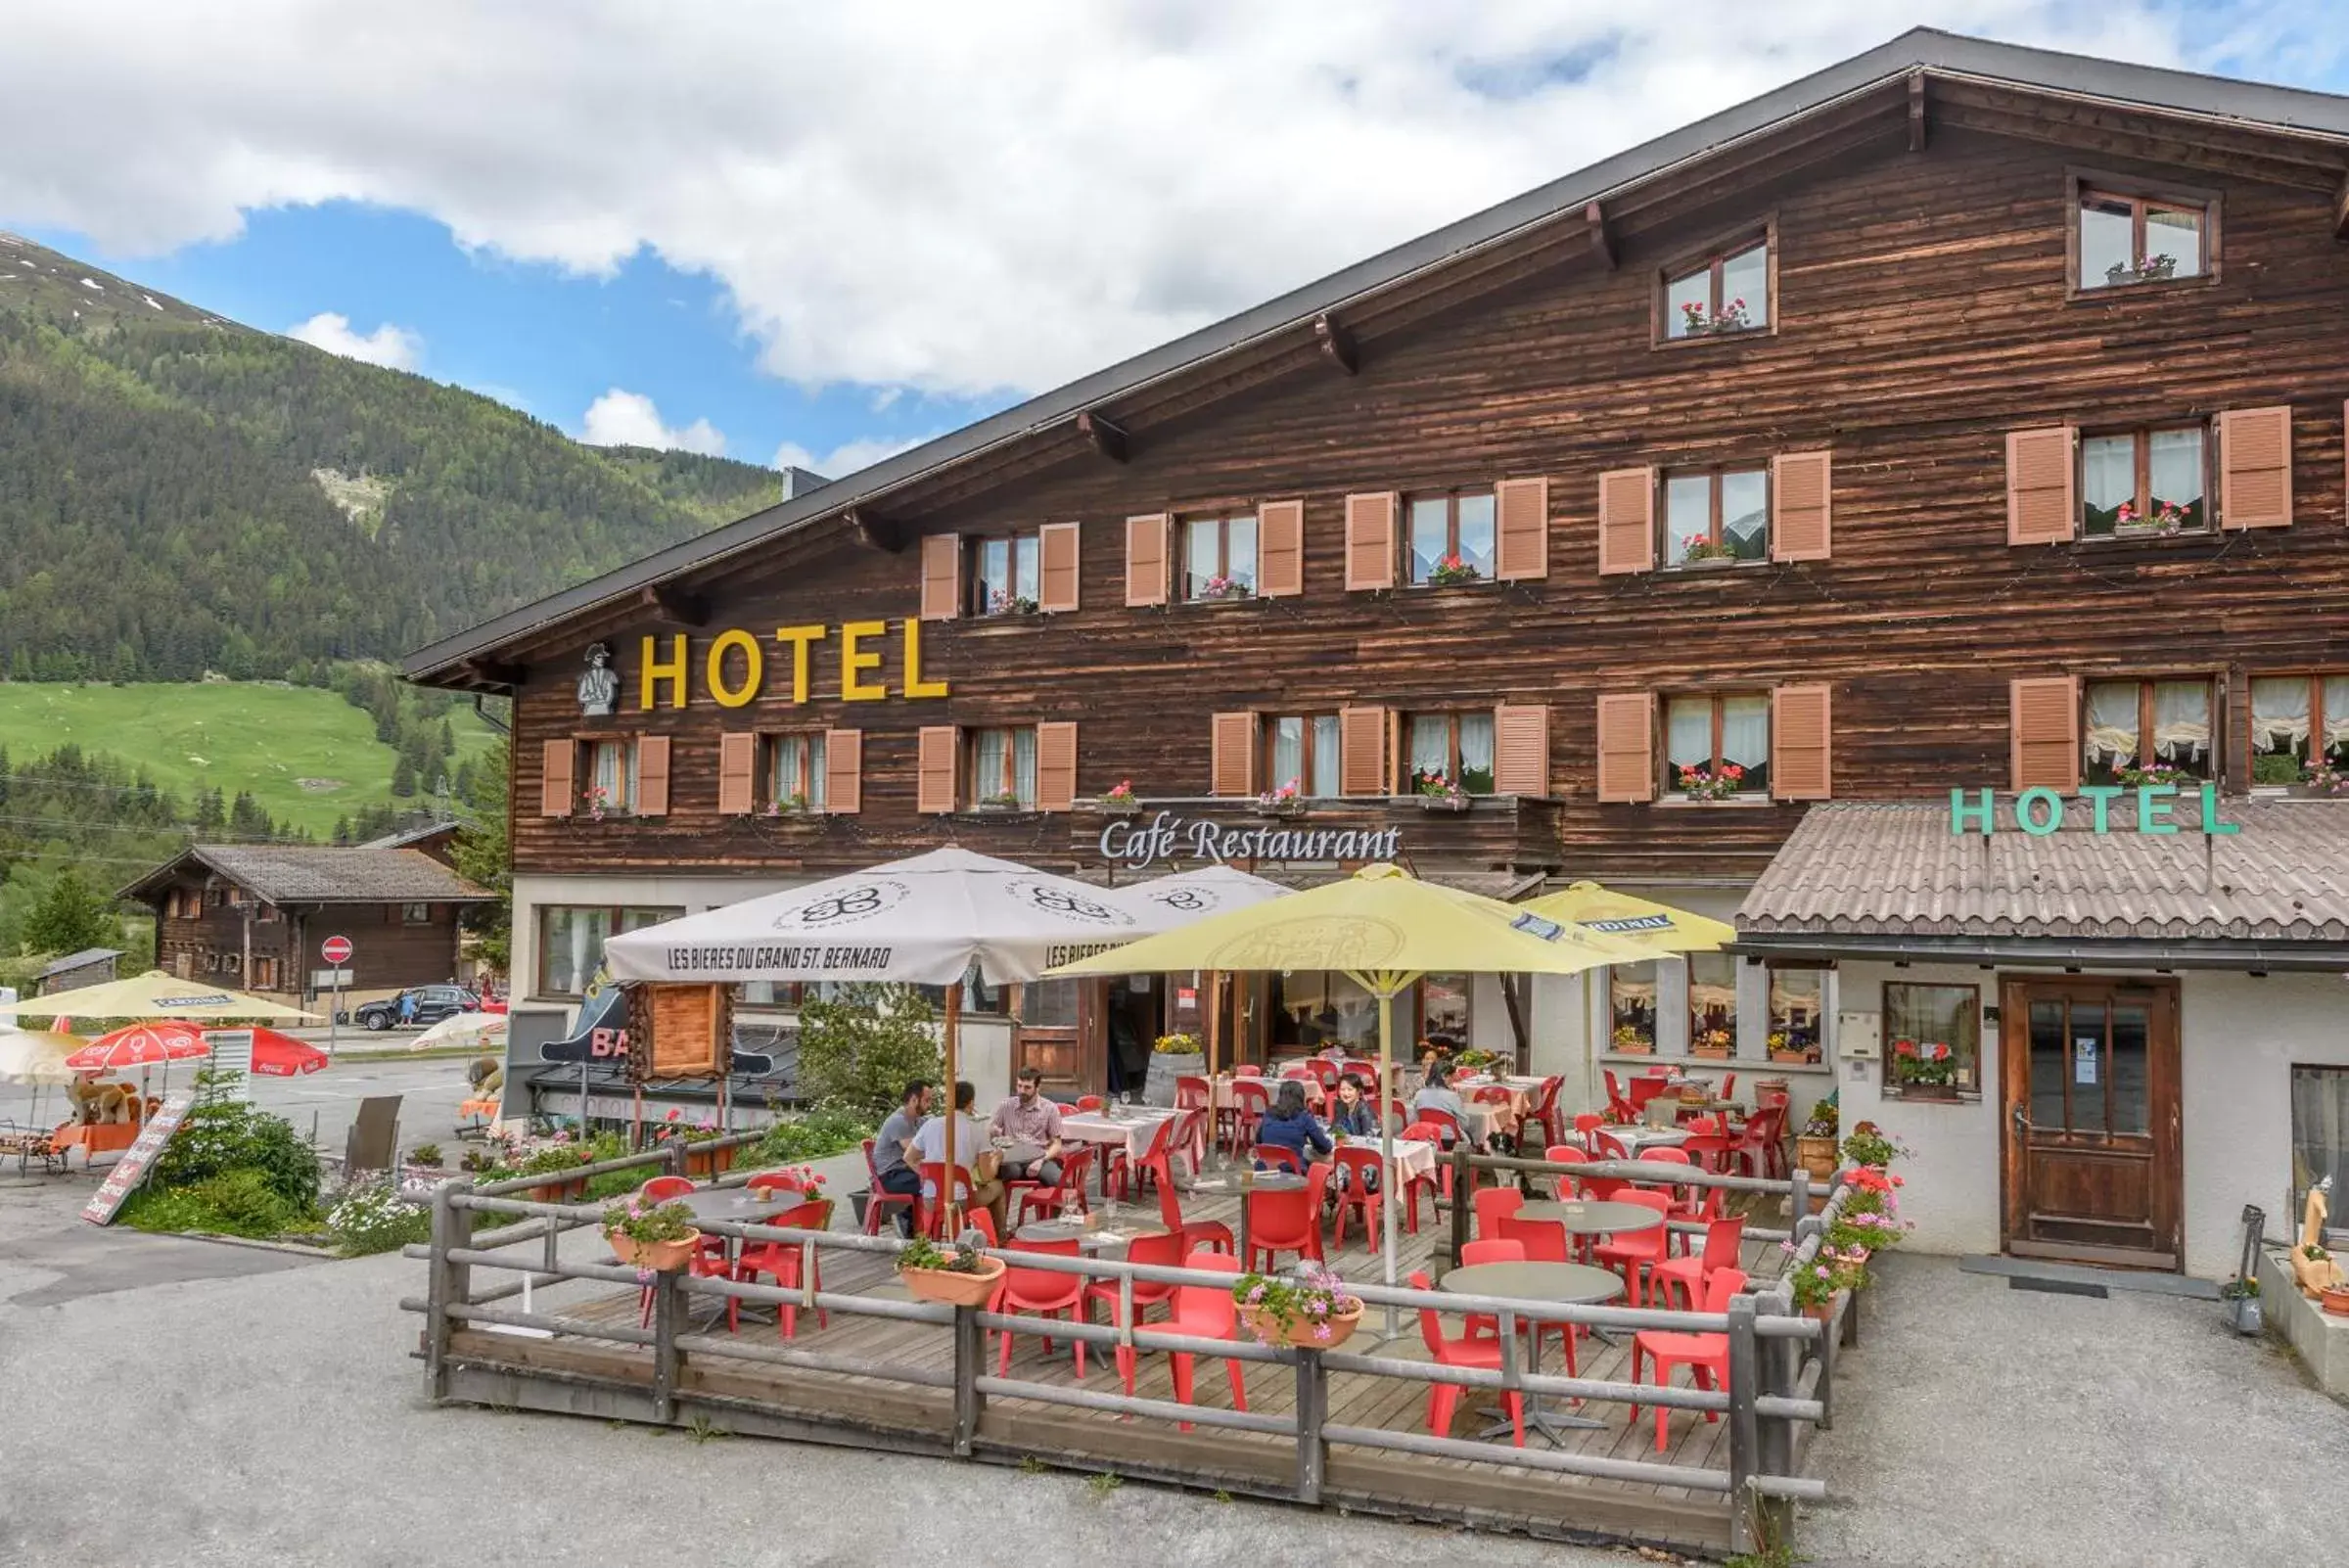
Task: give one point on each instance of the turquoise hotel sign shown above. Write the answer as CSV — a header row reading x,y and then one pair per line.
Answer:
x,y
2040,813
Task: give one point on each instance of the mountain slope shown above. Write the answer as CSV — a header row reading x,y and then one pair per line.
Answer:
x,y
180,494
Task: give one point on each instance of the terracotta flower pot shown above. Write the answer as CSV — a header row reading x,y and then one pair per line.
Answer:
x,y
1299,1331
952,1288
659,1256
704,1161
2335,1300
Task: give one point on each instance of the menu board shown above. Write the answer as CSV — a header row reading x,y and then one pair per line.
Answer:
x,y
679,1031
132,1170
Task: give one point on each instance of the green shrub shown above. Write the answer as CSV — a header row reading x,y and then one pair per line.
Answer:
x,y
222,1133
242,1202
370,1219
826,1130
857,1053
426,1154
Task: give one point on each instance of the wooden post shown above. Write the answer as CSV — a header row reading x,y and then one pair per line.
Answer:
x,y
970,1359
1463,1188
1744,1434
668,1308
1799,1203
1780,1362
1312,1410
446,1283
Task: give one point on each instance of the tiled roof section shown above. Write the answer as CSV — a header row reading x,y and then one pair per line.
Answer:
x,y
314,874
79,960
1860,868
407,836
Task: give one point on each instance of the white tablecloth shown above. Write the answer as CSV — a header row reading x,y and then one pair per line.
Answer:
x,y
1133,1130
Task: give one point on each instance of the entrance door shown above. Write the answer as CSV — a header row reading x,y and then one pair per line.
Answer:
x,y
2092,1130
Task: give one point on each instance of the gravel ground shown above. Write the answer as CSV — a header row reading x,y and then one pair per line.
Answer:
x,y
1999,1428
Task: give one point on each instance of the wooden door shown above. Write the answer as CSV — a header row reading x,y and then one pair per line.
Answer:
x,y
2092,1170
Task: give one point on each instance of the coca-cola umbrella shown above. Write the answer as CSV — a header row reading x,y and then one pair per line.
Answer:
x,y
167,1040
276,1055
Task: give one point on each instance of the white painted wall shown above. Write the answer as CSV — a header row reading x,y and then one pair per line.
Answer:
x,y
687,892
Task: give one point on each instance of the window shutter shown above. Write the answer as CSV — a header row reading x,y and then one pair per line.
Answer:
x,y
2042,505
1370,541
557,795
1521,749
934,769
1147,559
1056,767
1627,746
2255,468
652,776
1627,522
941,577
1801,749
1799,487
1056,569
737,765
1280,549
1231,755
1521,529
2043,715
844,772
1362,751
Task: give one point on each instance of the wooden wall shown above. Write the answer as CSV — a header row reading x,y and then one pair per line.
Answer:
x,y
388,953
1923,313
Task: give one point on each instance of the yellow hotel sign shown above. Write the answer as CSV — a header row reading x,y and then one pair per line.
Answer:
x,y
732,670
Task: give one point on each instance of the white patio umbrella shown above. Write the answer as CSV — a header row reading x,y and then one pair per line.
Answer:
x,y
1195,894
924,921
463,1028
36,1057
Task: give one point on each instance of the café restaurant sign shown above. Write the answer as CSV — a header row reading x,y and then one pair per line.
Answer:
x,y
1166,837
2161,809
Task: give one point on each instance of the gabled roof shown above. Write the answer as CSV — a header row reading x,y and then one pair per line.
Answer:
x,y
78,960
2221,101
407,836
308,873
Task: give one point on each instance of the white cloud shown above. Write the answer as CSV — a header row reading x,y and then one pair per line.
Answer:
x,y
393,347
967,199
849,456
629,419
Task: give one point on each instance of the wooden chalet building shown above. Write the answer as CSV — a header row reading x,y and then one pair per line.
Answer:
x,y
1960,417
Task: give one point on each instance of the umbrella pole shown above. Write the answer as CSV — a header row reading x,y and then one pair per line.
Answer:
x,y
946,1189
1385,1135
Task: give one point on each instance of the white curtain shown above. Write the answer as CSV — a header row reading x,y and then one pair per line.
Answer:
x,y
2279,714
1324,783
2181,719
2112,722
1025,581
1476,743
1431,744
1023,765
986,763
1746,731
814,745
2336,713
1239,549
1688,732
1288,753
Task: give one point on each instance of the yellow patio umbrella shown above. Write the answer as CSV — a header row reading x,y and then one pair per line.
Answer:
x,y
1658,929
36,1057
157,995
1383,928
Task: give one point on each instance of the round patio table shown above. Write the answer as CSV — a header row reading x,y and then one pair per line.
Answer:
x,y
740,1206
1592,1217
1563,1283
1052,1231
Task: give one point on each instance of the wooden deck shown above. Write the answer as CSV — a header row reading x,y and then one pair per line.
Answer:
x,y
742,1395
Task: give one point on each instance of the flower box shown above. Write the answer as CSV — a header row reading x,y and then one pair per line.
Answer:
x,y
1278,807
1445,803
954,1287
662,1257
1273,1329
1713,1053
1925,1091
1105,806
996,808
1633,1047
1794,1056
708,1161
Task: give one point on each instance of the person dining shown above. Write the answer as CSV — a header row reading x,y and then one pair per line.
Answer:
x,y
971,1152
1029,1118
1438,1094
1288,1125
1354,1117
892,1171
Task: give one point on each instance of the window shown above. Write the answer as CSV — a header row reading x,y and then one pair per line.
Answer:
x,y
1631,1005
1450,748
2127,239
2148,731
1712,1004
612,775
1717,747
264,974
1219,558
1049,1003
416,914
1797,1002
1722,515
1003,767
1444,1010
2144,481
1008,579
1303,750
1316,1009
572,938
1452,538
1934,1015
1724,292
2319,1142
2298,722
795,772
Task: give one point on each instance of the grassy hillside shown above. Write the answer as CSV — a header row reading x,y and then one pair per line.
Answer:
x,y
306,756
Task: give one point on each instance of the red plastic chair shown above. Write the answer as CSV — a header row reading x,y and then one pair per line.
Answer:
x,y
1447,1125
1322,1070
1545,1121
1277,1157
1368,1072
1684,1278
1543,1242
1618,1102
1195,1234
929,1215
877,1202
781,1261
1036,1198
1193,1094
1605,1145
1706,1355
1487,1250
1039,1291
662,1188
1286,1222
1439,1182
1163,1251
1357,1195
775,1181
1493,1205
1632,1252
1249,1100
1761,1149
1729,1087
1190,1141
1709,1151
1088,1102
1204,1311
1586,1125
1642,1090
1684,1201
1151,1165
1469,1350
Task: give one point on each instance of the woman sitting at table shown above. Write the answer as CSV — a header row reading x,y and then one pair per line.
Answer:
x,y
1438,1094
1288,1125
1354,1117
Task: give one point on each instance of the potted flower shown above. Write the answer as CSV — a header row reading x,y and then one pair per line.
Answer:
x,y
1451,572
1714,1043
997,805
1120,800
1700,320
1702,549
1221,588
2165,517
2321,780
2155,773
2241,1295
1004,602
1437,793
1282,802
1815,1145
549,1159
2156,268
1869,1147
651,1236
1697,782
1834,1271
708,1163
1171,1057
1309,1308
793,804
598,801
1629,1039
960,1277
1926,1072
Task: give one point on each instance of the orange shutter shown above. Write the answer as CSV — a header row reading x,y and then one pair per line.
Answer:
x,y
1362,751
1370,541
1147,559
1627,746
1280,549
2255,468
934,769
1799,485
1521,749
1521,529
1801,751
844,772
2043,715
1056,767
941,577
556,764
1056,573
1231,755
652,776
737,767
2042,505
1627,522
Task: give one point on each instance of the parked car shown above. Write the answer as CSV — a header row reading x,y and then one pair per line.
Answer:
x,y
432,1003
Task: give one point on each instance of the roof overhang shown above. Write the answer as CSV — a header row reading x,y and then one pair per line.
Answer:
x,y
2049,951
